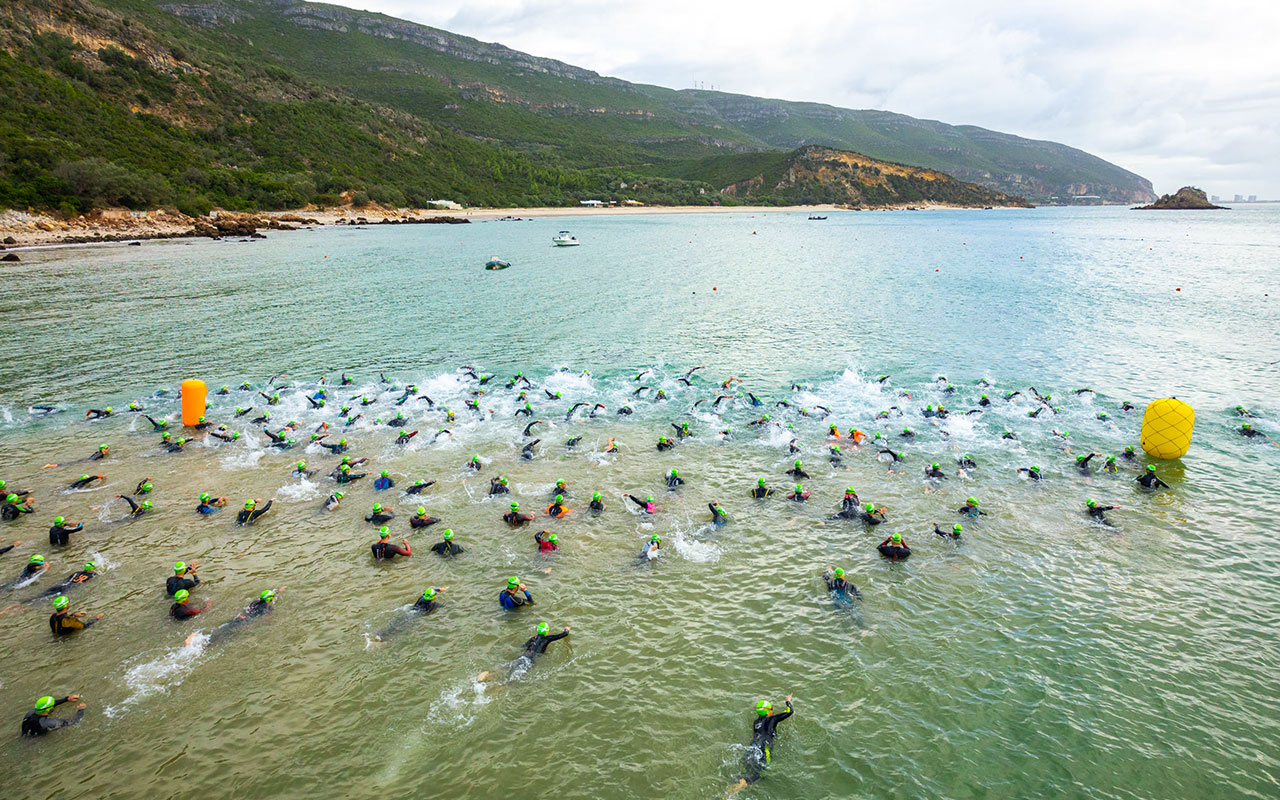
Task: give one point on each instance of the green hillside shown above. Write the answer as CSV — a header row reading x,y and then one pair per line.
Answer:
x,y
249,104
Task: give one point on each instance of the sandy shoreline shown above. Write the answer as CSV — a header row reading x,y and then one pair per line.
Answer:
x,y
20,230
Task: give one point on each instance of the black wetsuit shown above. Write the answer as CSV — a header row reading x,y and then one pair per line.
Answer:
x,y
1083,464
871,518
379,518
596,505
1097,513
37,724
75,578
718,515
446,549
496,486
527,451
841,588
674,481
81,483
935,473
135,510
894,552
537,644
254,610
60,535
177,582
1150,481
181,611
248,516
971,511
386,551
951,534
1031,473
419,487
761,491
349,477
422,522
763,731
850,507
63,624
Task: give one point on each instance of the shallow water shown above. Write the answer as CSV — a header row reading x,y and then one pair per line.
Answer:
x,y
1040,656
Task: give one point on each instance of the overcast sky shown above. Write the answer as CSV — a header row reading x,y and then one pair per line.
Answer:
x,y
1179,92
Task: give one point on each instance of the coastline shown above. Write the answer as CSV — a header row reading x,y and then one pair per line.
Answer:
x,y
32,230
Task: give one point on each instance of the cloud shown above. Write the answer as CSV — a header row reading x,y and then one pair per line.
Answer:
x,y
1181,92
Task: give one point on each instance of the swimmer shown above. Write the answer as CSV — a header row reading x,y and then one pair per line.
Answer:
x,y
515,519
179,580
907,433
761,490
664,443
405,436
424,605
894,548
441,432
34,566
534,647
332,502
894,457
560,488
673,479
446,548
345,475
39,722
800,495
14,506
840,588
970,508
1127,406
1243,412
954,533
1082,463
1129,454
136,510
625,410
527,451
557,510
575,407
966,462
529,428
180,609
419,486
258,608
597,504
85,481
1148,479
60,533
547,541
871,515
610,446
651,548
759,753
1247,431
87,573
572,442
421,520
935,471
796,471
7,548
682,430
383,481
95,413
984,401
380,515
1032,472
646,505
62,623
1110,465
718,515
300,470
384,550
475,464
498,485
1096,511
250,513
515,596
526,410
1008,434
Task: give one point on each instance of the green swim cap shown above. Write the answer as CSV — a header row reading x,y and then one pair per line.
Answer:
x,y
934,465
835,448
267,595
386,473
60,602
248,504
403,432
204,497
553,538
971,501
377,508
102,448
957,528
763,708
86,477
839,572
164,423
1090,503
339,495
419,482
675,472
384,532
44,703
343,441
513,582
869,507
90,566
502,481
146,505
448,534
181,595
1079,459
57,521
164,437
655,538
1110,459
760,482
797,463
302,465
109,409
897,537
543,628
515,506
429,593
799,488
649,499
201,418
3,483
906,430
1151,468
11,498
1035,469
345,469
559,498
595,496
422,511
179,566
1129,449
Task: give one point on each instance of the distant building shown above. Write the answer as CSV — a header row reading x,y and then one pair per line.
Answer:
x,y
592,203
1253,198
1239,199
1214,198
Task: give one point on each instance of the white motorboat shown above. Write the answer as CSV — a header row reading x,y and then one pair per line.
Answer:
x,y
564,239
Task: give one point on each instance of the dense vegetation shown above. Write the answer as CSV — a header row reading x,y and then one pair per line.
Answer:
x,y
252,105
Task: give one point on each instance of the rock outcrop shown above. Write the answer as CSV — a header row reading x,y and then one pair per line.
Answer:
x,y
1188,198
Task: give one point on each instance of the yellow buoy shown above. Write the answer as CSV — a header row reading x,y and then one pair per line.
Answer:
x,y
1167,427
193,405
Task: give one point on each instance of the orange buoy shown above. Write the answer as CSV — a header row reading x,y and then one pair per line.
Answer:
x,y
193,401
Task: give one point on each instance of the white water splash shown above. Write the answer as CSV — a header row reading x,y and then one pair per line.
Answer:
x,y
159,675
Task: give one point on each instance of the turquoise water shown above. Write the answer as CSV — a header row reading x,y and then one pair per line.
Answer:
x,y
1040,656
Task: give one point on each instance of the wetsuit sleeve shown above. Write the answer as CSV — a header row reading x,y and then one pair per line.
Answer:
x,y
780,717
132,505
556,637
7,549
53,723
635,500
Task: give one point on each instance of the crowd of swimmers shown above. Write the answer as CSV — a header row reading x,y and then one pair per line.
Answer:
x,y
514,596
